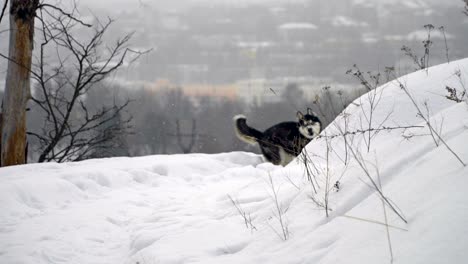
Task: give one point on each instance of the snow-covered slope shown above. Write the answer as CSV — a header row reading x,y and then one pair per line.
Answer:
x,y
178,209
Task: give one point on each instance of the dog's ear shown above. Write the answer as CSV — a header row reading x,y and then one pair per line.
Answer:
x,y
299,115
310,112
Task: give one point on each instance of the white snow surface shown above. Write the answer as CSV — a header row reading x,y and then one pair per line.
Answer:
x,y
176,208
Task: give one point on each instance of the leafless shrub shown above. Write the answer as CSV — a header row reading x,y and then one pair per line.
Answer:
x,y
426,118
419,62
457,95
247,217
442,30
313,172
374,99
320,198
454,96
310,170
423,61
357,155
370,81
369,129
280,212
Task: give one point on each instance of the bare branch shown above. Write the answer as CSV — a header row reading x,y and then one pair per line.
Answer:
x,y
63,12
19,64
362,131
72,130
3,10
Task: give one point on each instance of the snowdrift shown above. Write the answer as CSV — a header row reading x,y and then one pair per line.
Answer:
x,y
234,208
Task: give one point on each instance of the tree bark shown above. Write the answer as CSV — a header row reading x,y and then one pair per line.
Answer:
x,y
17,89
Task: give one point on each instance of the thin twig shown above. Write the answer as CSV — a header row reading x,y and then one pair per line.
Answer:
x,y
359,159
3,10
362,131
279,210
373,221
385,213
327,177
63,12
247,220
428,123
442,29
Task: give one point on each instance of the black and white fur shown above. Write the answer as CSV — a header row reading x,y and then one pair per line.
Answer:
x,y
281,143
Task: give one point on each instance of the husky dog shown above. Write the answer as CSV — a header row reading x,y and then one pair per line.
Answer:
x,y
281,143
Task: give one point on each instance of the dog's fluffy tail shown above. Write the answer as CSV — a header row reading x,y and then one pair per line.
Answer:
x,y
244,132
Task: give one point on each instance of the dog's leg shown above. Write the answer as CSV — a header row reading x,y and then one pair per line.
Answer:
x,y
271,153
285,157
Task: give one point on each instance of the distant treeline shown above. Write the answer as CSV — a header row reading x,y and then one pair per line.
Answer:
x,y
169,122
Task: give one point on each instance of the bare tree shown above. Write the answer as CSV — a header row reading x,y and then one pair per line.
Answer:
x,y
18,86
72,130
193,136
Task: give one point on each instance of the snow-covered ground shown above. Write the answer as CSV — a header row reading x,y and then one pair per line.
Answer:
x,y
178,208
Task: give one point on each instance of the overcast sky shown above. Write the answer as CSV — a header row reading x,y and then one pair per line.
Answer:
x,y
163,4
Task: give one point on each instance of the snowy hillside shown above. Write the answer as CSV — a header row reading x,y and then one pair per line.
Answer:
x,y
222,208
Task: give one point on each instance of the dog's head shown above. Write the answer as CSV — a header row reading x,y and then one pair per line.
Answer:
x,y
309,124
